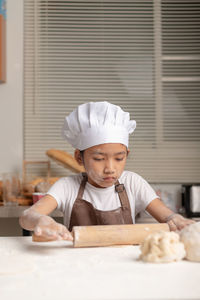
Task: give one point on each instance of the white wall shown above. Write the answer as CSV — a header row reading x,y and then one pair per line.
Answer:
x,y
11,92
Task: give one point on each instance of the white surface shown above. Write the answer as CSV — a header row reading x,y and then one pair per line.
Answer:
x,y
59,271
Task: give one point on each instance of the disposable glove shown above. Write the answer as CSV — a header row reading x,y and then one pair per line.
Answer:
x,y
177,222
48,228
44,226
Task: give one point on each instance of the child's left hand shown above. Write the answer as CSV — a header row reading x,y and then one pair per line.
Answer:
x,y
178,222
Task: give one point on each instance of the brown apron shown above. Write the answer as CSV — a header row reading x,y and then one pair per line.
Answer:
x,y
84,214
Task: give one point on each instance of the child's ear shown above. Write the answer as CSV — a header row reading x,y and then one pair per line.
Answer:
x,y
78,157
128,151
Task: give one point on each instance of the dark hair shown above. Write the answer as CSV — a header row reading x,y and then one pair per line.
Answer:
x,y
82,153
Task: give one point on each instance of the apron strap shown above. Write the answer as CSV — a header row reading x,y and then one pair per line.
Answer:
x,y
126,208
82,186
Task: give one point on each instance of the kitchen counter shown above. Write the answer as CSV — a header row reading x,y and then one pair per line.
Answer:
x,y
9,224
56,270
16,211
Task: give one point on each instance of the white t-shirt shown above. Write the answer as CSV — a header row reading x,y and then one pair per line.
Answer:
x,y
139,192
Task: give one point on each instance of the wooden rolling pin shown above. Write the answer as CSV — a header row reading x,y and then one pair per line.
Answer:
x,y
108,235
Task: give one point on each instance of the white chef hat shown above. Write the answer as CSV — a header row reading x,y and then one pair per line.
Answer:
x,y
96,123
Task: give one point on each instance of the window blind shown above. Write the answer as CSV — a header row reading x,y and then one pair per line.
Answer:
x,y
141,55
181,85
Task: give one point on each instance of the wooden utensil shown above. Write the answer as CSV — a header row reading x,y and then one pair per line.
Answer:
x,y
108,235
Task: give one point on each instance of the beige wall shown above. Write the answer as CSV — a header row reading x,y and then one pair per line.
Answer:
x,y
11,92
11,104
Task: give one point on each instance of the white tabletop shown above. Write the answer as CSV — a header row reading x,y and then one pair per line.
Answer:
x,y
56,270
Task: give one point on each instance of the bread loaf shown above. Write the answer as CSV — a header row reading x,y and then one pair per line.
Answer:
x,y
65,159
39,184
24,201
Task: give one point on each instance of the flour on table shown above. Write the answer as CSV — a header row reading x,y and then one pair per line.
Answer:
x,y
16,264
190,236
162,247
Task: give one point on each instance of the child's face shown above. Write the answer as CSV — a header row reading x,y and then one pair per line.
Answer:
x,y
104,163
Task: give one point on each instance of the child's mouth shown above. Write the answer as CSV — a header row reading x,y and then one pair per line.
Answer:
x,y
109,179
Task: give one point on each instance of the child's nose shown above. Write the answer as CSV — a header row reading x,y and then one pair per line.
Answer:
x,y
109,168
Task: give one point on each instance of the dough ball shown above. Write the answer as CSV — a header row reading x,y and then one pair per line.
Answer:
x,y
162,247
190,236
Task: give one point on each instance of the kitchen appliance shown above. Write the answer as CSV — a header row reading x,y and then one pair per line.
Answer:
x,y
191,199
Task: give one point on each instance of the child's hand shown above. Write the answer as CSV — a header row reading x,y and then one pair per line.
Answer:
x,y
49,229
177,222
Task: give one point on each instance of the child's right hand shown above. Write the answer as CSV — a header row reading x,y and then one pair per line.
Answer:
x,y
49,229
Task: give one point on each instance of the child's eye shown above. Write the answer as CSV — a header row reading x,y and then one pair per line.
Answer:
x,y
97,159
119,159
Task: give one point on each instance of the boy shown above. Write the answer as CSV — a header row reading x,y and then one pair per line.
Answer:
x,y
105,193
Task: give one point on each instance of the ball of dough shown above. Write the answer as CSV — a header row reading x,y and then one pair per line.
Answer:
x,y
190,236
162,247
